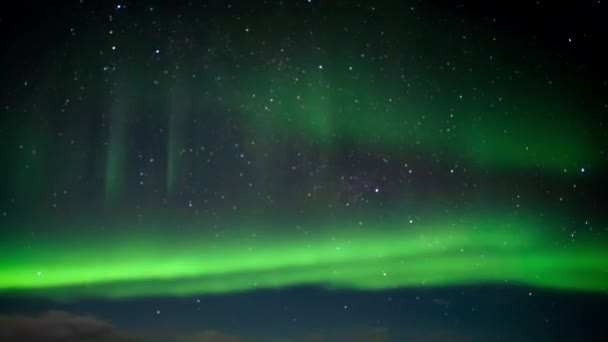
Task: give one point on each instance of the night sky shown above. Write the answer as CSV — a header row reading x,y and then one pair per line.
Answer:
x,y
303,170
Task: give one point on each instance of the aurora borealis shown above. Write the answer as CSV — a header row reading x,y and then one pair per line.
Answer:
x,y
355,170
483,250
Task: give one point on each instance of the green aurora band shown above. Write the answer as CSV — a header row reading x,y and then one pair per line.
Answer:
x,y
478,250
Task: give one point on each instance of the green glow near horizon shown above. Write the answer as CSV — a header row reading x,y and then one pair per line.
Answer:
x,y
475,251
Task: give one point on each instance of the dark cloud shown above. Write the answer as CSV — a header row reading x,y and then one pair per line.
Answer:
x,y
58,326
61,326
380,334
448,337
355,334
213,336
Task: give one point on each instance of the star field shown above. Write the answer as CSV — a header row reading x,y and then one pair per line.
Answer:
x,y
158,154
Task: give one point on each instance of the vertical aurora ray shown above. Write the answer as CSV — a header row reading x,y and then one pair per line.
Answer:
x,y
171,153
116,153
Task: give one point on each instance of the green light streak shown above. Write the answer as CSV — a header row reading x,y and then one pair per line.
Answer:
x,y
480,250
171,154
116,155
